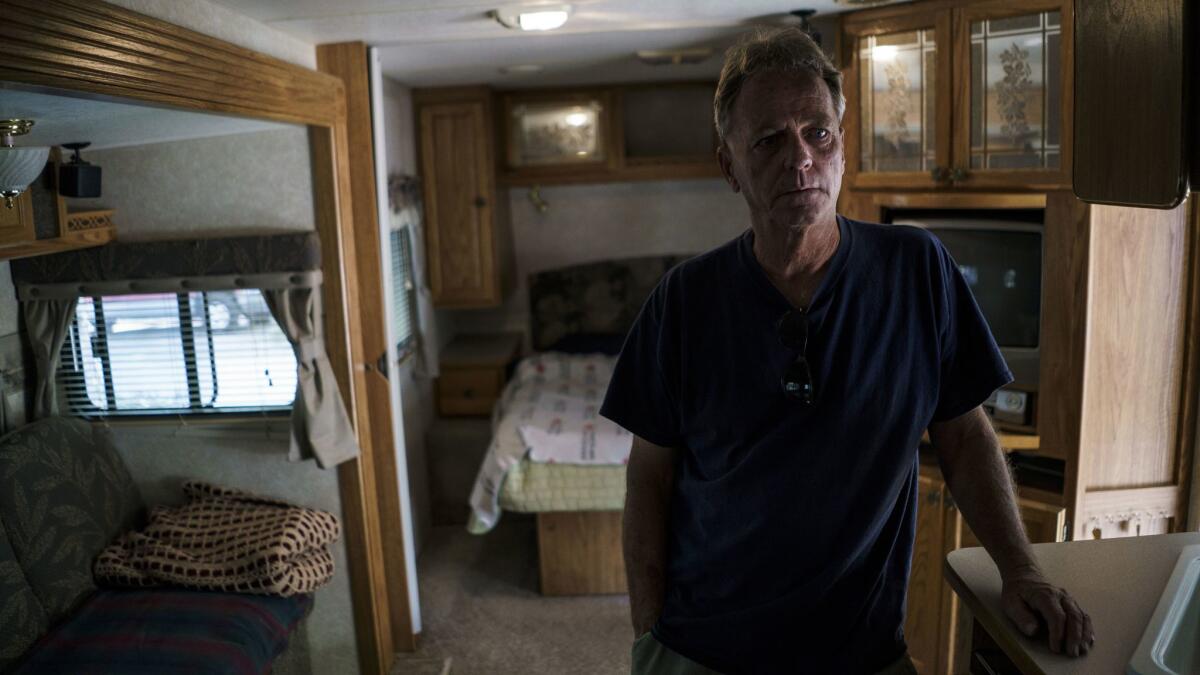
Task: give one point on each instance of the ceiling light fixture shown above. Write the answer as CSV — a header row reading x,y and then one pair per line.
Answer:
x,y
538,17
18,166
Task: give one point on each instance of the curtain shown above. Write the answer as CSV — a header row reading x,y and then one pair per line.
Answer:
x,y
321,428
404,197
47,323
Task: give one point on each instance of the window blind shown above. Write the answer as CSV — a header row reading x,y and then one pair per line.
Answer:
x,y
178,353
403,292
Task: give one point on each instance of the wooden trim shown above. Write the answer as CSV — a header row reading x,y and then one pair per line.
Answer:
x,y
1066,256
959,200
855,22
93,47
356,478
1189,418
348,61
69,242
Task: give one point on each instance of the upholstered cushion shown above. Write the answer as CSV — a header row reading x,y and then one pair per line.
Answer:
x,y
594,298
21,614
164,632
67,495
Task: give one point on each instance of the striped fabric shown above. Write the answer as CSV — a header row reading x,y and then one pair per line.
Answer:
x,y
168,632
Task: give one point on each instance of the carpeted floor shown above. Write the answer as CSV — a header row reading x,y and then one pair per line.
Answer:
x,y
480,607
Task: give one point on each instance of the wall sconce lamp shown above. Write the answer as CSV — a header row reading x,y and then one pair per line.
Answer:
x,y
538,17
18,166
535,198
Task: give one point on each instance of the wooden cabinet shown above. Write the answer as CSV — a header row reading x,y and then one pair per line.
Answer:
x,y
936,627
474,369
959,94
1117,43
660,131
468,242
16,224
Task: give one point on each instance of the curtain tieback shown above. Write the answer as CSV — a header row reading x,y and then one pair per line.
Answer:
x,y
308,351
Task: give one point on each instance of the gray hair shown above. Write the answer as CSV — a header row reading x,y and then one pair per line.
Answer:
x,y
785,50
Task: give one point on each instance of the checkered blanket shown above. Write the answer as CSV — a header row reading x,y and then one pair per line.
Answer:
x,y
225,540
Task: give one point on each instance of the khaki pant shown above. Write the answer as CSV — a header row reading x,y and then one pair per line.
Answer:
x,y
651,657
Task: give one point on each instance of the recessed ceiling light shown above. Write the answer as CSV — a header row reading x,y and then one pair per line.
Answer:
x,y
522,69
536,17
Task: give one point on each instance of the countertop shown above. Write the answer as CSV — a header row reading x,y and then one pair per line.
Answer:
x,y
1116,581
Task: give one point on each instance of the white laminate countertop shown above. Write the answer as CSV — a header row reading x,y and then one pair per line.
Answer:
x,y
1117,581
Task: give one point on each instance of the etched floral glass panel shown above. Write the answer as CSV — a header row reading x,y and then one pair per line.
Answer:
x,y
556,133
898,101
1016,89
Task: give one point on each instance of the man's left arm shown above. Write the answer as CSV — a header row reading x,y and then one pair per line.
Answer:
x,y
977,474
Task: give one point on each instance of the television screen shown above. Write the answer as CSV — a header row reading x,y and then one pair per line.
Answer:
x,y
1003,267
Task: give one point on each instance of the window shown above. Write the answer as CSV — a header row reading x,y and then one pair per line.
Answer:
x,y
171,353
403,293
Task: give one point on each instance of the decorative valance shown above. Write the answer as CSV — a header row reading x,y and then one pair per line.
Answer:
x,y
130,261
286,268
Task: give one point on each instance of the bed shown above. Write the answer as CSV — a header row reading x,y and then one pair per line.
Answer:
x,y
550,452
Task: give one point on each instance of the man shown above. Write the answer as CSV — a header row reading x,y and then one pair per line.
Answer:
x,y
777,388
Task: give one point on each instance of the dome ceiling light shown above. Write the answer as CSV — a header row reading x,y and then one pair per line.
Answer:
x,y
18,166
536,17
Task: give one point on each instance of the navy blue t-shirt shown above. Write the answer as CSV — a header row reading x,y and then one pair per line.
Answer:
x,y
791,527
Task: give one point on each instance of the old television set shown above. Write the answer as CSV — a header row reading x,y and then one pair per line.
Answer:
x,y
999,253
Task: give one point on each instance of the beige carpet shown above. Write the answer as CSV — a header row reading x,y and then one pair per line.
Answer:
x,y
480,608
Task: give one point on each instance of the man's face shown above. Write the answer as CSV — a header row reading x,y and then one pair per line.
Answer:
x,y
783,151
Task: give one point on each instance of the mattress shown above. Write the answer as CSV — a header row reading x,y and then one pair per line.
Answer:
x,y
532,487
550,450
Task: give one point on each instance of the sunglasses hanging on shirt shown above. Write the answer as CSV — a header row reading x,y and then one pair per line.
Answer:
x,y
797,380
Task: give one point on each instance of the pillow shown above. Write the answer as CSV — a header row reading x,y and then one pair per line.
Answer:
x,y
163,632
590,343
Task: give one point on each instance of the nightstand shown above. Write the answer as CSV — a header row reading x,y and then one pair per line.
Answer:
x,y
474,369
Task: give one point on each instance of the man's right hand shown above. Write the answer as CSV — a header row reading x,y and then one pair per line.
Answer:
x,y
649,478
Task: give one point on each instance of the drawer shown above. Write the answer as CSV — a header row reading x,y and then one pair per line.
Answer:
x,y
469,391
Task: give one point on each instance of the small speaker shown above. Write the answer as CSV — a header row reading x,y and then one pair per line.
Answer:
x,y
77,178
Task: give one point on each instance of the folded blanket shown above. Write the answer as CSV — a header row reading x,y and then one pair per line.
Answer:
x,y
225,540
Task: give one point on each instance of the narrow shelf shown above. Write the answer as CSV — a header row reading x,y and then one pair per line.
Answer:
x,y
69,242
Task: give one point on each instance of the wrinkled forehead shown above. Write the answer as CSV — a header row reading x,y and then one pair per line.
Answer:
x,y
770,95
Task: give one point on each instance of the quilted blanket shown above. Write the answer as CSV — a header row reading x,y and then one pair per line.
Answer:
x,y
225,540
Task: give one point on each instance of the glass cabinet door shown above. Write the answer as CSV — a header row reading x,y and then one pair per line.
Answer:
x,y
1012,127
896,130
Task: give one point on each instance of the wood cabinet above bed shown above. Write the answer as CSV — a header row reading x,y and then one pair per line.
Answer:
x,y
468,243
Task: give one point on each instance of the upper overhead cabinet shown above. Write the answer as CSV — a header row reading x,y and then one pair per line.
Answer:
x,y
468,246
959,94
633,132
1134,132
